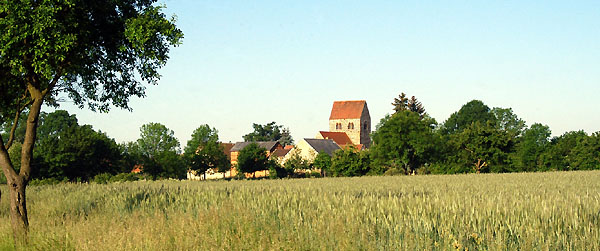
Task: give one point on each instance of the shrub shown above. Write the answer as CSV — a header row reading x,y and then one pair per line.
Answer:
x,y
393,172
102,178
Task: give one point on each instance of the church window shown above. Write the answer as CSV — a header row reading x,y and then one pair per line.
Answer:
x,y
338,126
365,125
350,125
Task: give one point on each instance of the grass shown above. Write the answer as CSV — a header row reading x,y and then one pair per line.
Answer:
x,y
530,211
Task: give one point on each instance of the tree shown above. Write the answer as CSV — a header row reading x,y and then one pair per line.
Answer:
x,y
204,152
269,132
563,152
508,121
295,162
322,162
77,153
472,111
586,155
484,147
400,103
350,162
286,137
252,158
404,141
416,106
159,151
92,51
201,136
531,146
156,138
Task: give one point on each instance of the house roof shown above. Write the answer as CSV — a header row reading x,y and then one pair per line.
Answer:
x,y
323,145
227,148
347,109
340,138
269,145
280,152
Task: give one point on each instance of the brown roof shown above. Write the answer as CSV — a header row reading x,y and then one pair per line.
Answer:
x,y
289,147
280,152
347,109
227,148
340,138
269,145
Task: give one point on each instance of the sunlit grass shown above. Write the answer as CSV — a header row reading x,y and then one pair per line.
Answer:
x,y
540,211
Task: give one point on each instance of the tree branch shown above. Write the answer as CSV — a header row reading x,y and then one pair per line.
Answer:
x,y
13,129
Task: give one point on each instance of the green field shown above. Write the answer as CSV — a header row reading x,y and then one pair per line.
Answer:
x,y
531,211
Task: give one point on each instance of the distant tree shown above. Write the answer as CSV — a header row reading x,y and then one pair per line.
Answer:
x,y
416,106
203,151
156,138
201,136
286,137
295,162
586,155
400,103
94,52
560,155
404,141
531,146
159,150
252,158
322,162
269,132
350,162
210,155
484,147
472,111
77,153
508,121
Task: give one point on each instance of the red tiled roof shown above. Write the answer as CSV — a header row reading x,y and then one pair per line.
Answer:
x,y
288,147
340,138
347,109
137,169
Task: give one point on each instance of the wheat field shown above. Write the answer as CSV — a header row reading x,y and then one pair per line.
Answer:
x,y
528,211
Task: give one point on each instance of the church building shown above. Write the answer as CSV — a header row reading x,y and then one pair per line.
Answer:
x,y
352,118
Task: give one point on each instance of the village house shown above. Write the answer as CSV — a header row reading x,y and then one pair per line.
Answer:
x,y
271,146
349,126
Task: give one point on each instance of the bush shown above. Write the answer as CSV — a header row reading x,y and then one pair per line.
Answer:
x,y
102,178
48,181
393,172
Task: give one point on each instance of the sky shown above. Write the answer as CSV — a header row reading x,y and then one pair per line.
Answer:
x,y
245,62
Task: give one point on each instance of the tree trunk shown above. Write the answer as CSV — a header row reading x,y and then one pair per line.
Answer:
x,y
18,209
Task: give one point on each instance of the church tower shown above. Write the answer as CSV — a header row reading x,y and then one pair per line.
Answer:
x,y
352,117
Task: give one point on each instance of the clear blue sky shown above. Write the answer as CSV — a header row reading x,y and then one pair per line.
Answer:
x,y
245,62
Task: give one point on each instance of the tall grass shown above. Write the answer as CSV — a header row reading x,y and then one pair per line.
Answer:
x,y
532,211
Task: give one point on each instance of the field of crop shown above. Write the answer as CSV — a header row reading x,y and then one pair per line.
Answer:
x,y
532,211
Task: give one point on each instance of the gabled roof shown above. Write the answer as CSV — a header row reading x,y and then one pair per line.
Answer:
x,y
347,109
280,152
340,138
269,145
323,145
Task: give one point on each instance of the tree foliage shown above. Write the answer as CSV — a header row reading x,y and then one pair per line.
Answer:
x,y
97,53
404,141
350,162
159,151
252,158
469,113
269,132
